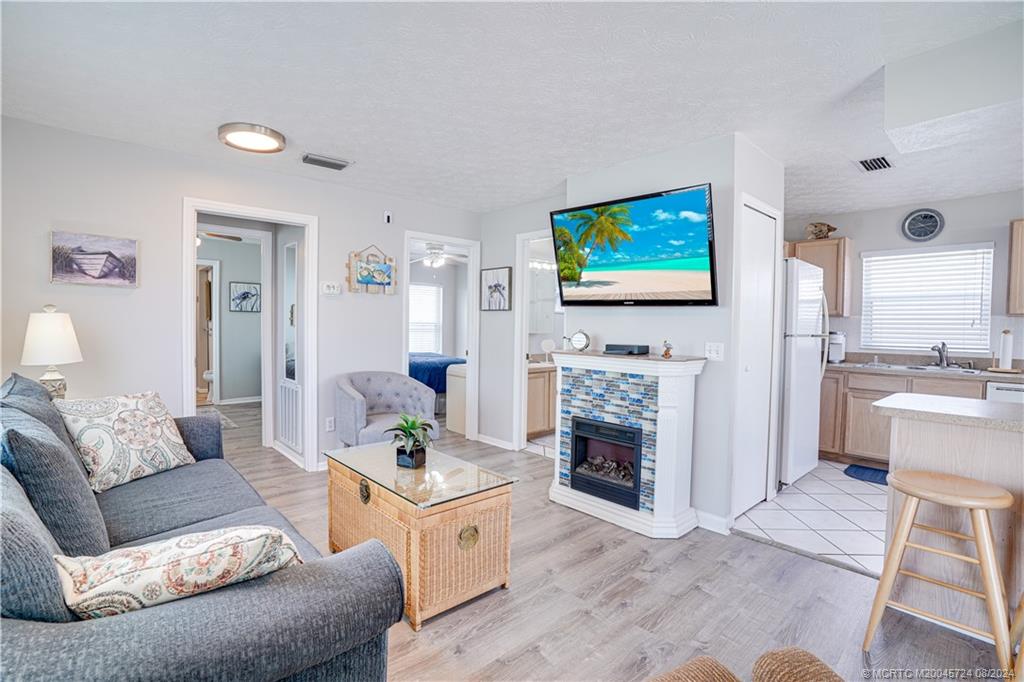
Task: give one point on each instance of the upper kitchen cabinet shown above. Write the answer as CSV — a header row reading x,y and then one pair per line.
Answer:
x,y
1015,300
832,256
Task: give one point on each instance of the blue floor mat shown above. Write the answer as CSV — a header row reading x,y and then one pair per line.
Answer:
x,y
869,474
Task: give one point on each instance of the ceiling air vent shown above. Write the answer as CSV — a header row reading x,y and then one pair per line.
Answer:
x,y
876,164
324,162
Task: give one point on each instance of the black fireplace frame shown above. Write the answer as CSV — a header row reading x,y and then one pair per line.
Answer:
x,y
583,429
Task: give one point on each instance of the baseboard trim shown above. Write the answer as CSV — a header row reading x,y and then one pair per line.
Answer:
x,y
496,442
643,523
714,523
240,401
294,458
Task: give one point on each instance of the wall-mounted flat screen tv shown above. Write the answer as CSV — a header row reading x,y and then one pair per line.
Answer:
x,y
654,249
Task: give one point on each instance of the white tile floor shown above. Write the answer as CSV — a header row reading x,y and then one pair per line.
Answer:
x,y
828,513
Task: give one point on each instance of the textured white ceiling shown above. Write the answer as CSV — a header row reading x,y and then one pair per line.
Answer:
x,y
488,105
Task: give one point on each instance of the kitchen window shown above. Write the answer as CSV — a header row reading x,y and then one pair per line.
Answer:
x,y
913,299
424,318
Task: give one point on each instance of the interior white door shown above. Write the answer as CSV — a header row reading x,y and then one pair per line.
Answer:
x,y
755,337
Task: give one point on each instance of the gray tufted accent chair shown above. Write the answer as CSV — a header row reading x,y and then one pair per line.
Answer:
x,y
368,403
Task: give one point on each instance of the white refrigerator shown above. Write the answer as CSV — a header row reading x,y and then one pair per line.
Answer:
x,y
805,353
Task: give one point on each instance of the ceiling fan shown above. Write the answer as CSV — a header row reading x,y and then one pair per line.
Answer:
x,y
436,257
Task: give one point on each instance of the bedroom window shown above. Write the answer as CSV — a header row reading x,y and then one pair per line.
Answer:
x,y
424,318
915,298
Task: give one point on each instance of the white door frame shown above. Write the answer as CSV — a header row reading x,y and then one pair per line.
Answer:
x,y
519,326
214,265
192,207
775,408
472,319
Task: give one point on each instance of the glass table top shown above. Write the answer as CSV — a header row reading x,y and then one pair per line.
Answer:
x,y
442,479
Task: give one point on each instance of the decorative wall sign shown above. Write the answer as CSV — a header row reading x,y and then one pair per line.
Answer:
x,y
371,271
77,258
496,289
244,297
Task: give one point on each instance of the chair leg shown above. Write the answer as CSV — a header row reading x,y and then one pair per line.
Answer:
x,y
998,614
892,566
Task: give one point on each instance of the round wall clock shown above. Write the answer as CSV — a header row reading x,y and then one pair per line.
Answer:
x,y
922,224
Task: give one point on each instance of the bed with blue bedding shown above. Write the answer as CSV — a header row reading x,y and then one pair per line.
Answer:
x,y
432,369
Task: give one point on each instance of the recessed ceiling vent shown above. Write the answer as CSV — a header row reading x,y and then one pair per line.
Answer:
x,y
876,164
324,162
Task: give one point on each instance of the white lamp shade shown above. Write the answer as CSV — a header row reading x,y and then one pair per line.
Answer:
x,y
50,340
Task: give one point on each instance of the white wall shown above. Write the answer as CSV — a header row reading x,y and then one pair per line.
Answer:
x,y
498,234
131,339
983,218
459,309
239,365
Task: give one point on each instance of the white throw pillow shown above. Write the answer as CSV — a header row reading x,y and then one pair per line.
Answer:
x,y
122,438
132,578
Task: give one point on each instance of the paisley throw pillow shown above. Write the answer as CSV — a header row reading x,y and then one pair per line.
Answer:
x,y
132,578
122,438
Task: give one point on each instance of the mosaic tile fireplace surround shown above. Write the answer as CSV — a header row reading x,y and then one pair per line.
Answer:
x,y
644,393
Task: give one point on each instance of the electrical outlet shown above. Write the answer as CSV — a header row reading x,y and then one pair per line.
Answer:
x,y
329,424
714,351
330,288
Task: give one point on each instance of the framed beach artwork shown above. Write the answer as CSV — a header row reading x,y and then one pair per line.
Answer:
x,y
244,297
79,258
496,289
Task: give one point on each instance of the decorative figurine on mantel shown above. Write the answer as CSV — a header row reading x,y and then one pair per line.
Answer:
x,y
819,230
667,352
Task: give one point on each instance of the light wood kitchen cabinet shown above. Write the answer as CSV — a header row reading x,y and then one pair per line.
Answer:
x,y
830,421
540,400
953,387
832,256
789,249
867,433
1015,296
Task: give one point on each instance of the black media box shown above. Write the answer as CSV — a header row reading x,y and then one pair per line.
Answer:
x,y
626,349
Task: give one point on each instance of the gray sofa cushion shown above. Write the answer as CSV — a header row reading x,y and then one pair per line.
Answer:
x,y
17,385
55,482
173,499
377,424
258,516
30,588
44,411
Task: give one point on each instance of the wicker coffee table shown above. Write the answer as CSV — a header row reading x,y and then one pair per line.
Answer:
x,y
448,523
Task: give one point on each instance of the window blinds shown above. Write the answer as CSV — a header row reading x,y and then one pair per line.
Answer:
x,y
424,318
914,299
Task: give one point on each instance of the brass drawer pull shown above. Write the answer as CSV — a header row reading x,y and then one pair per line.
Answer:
x,y
364,491
468,537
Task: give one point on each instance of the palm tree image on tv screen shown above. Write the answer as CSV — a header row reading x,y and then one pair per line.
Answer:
x,y
648,250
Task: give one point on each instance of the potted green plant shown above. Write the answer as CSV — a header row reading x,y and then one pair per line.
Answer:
x,y
412,436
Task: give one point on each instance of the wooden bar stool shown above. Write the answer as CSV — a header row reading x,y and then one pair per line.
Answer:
x,y
953,491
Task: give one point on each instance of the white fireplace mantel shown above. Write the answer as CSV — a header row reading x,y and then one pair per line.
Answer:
x,y
672,514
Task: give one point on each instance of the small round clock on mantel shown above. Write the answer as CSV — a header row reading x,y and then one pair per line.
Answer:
x,y
922,224
579,341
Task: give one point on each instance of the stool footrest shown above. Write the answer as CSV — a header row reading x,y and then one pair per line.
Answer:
x,y
942,552
943,531
942,583
941,619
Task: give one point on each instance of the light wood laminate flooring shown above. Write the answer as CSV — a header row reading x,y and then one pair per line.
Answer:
x,y
591,601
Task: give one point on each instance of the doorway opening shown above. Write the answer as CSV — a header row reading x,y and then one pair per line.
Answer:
x,y
441,324
539,329
250,320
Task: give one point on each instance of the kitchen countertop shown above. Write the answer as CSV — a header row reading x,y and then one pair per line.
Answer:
x,y
949,410
933,374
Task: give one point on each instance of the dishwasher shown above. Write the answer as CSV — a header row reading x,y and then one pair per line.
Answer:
x,y
1005,393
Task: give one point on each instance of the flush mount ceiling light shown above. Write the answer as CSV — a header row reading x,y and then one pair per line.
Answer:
x,y
251,137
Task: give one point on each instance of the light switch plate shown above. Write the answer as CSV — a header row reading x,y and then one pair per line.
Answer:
x,y
714,351
329,424
330,288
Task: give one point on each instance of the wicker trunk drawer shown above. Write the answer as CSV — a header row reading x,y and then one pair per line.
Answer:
x,y
449,553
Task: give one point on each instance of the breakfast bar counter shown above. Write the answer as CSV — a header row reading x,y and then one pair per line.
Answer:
x,y
977,439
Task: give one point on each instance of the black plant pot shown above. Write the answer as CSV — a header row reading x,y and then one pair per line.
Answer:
x,y
413,460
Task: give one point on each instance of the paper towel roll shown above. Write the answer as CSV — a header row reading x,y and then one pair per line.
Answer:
x,y
1006,350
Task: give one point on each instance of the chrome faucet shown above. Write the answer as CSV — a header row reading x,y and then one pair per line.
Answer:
x,y
943,352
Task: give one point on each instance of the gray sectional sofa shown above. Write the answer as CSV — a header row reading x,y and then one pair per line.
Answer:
x,y
326,619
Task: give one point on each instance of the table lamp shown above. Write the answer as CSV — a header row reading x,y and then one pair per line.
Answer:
x,y
50,340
